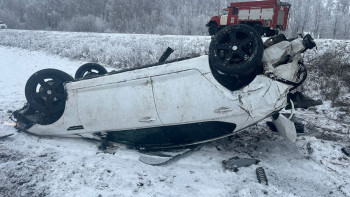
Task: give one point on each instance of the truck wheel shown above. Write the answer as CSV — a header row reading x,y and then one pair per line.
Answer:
x,y
90,70
45,91
236,50
213,29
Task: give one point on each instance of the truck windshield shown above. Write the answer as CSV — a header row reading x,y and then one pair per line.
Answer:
x,y
225,12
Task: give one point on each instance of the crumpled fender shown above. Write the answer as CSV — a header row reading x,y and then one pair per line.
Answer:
x,y
280,52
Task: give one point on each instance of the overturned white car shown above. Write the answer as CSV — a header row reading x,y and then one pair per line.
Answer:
x,y
172,104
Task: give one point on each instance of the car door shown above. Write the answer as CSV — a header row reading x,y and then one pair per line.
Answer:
x,y
118,106
188,97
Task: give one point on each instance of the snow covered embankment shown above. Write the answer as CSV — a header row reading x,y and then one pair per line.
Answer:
x,y
115,50
329,79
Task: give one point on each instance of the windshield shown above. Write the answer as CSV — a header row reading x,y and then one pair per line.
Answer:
x,y
224,12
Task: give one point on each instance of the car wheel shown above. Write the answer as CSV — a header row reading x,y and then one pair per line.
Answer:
x,y
45,91
235,82
90,70
236,50
213,29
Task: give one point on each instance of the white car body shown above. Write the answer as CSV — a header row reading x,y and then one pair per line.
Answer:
x,y
177,93
171,105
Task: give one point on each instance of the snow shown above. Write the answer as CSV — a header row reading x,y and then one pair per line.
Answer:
x,y
117,50
44,166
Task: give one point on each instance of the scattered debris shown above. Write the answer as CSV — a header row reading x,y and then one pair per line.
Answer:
x,y
110,150
9,124
234,163
162,157
346,151
299,125
5,136
285,127
260,173
310,150
104,142
166,55
43,155
302,101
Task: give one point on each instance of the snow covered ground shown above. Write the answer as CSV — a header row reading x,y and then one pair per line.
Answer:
x,y
117,50
37,166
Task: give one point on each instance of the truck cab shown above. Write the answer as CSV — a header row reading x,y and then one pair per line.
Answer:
x,y
266,17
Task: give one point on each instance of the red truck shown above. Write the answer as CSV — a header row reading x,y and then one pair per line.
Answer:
x,y
267,17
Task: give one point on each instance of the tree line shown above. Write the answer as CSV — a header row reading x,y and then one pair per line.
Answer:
x,y
322,18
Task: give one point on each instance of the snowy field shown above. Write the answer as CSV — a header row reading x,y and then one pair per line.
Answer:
x,y
116,50
37,166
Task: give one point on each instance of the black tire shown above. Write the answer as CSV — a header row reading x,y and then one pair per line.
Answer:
x,y
233,83
90,70
213,29
45,91
236,50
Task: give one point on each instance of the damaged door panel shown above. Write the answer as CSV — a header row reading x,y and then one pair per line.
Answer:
x,y
121,105
181,98
266,93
